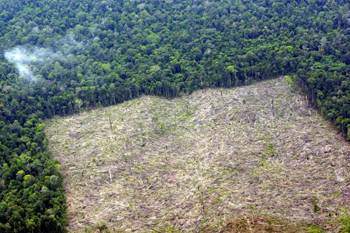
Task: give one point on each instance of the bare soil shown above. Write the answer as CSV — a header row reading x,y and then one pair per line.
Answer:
x,y
198,161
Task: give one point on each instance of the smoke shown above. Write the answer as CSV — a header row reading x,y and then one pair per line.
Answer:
x,y
25,59
28,58
68,44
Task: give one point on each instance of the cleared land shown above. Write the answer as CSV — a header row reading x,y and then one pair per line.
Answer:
x,y
200,160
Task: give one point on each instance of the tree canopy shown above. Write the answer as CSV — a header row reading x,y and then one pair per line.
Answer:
x,y
61,57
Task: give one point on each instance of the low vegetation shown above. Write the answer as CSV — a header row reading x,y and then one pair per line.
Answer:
x,y
61,57
193,163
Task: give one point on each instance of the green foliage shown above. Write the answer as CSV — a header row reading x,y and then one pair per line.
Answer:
x,y
345,222
28,180
231,69
291,80
168,229
20,174
154,69
314,229
102,227
131,48
270,151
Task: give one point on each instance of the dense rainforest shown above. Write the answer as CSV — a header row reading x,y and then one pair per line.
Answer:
x,y
59,57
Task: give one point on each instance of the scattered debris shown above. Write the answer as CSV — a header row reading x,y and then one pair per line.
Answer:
x,y
199,160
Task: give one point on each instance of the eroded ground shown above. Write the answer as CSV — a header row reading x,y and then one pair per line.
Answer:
x,y
199,160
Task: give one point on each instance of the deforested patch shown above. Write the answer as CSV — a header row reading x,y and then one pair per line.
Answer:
x,y
197,161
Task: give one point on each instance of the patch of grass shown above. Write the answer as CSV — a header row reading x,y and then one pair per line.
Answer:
x,y
262,224
345,222
291,80
168,229
270,151
161,127
167,118
265,163
314,229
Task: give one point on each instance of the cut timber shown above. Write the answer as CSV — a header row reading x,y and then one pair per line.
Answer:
x,y
198,160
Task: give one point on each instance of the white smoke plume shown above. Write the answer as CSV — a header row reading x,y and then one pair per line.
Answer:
x,y
68,44
25,58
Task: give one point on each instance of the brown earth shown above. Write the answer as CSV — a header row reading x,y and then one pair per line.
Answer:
x,y
198,161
